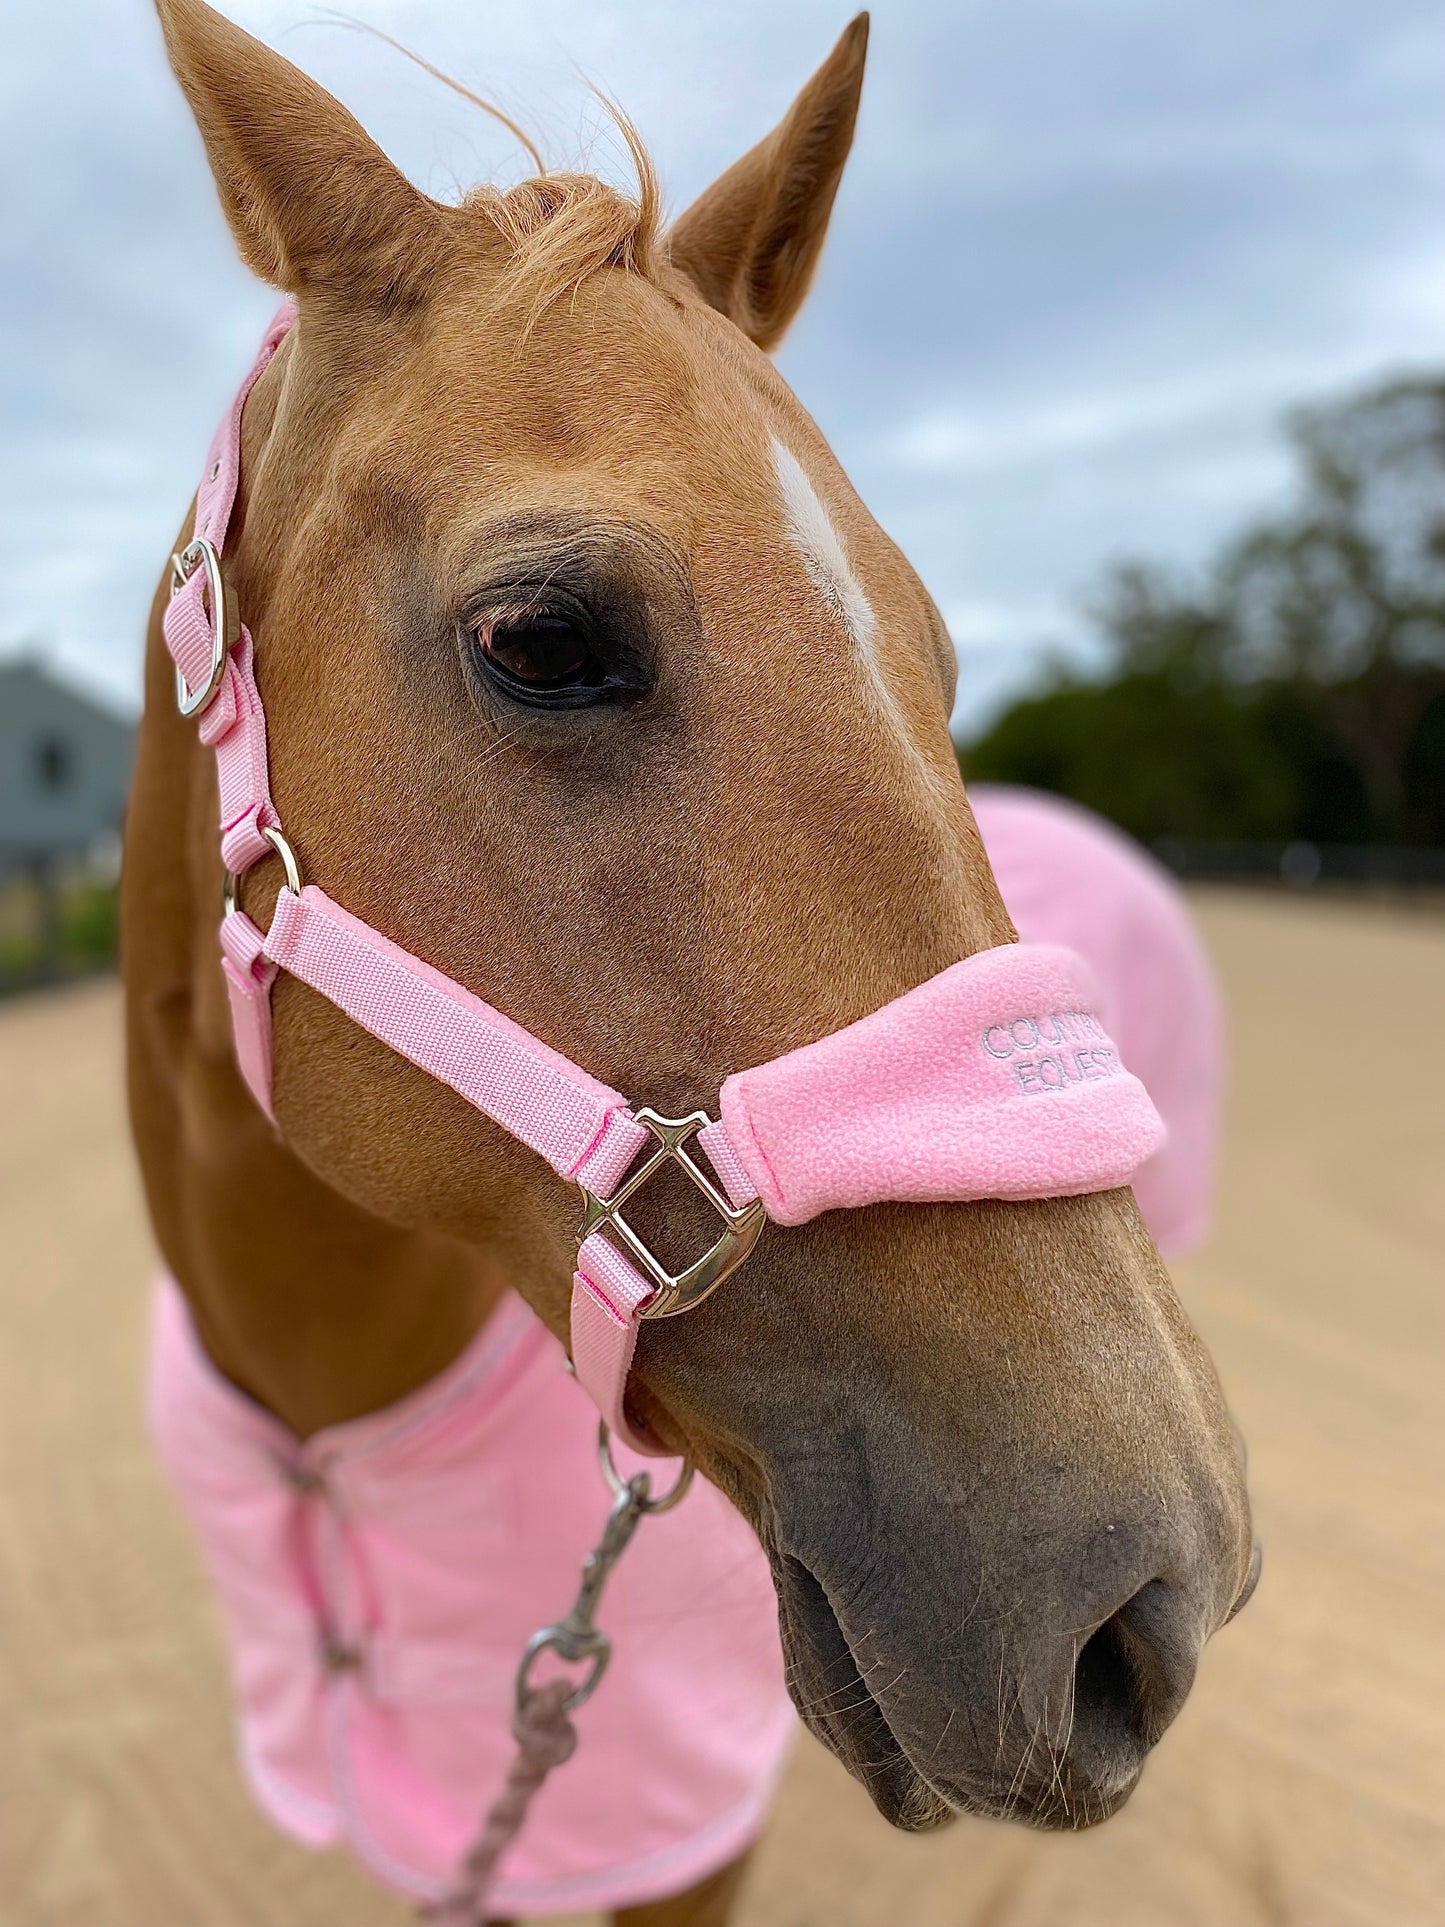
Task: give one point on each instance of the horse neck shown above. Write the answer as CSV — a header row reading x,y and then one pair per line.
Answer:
x,y
313,1305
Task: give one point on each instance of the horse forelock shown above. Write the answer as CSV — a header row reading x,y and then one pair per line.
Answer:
x,y
563,228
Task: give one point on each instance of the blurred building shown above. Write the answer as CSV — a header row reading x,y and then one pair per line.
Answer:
x,y
65,763
64,769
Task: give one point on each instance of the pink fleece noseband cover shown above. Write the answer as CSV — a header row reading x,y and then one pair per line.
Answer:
x,y
995,1079
992,1080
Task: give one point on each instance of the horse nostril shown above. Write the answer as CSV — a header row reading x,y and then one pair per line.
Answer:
x,y
1130,1679
1105,1689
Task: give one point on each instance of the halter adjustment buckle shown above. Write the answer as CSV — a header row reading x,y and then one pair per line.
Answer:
x,y
676,1292
184,563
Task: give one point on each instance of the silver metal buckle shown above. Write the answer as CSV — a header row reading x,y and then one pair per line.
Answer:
x,y
184,563
678,1293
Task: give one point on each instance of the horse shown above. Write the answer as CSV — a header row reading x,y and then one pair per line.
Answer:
x,y
590,681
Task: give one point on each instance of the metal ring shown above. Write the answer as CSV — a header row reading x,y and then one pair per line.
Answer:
x,y
620,1485
184,563
289,864
288,859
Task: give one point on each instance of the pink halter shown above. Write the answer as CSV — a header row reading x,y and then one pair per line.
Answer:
x,y
992,1080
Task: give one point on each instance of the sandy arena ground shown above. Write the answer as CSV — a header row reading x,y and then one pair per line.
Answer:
x,y
1303,1782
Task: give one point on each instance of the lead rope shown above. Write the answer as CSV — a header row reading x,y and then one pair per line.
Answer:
x,y
542,1715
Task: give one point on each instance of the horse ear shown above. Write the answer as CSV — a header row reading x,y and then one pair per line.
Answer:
x,y
751,241
311,199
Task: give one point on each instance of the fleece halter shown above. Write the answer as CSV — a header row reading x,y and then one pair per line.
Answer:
x,y
992,1080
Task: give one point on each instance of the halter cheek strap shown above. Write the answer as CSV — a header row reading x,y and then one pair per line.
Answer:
x,y
583,1129
992,1080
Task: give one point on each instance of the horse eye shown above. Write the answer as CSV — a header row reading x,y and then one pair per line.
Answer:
x,y
539,651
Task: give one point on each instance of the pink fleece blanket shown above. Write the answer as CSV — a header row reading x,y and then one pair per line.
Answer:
x,y
380,1581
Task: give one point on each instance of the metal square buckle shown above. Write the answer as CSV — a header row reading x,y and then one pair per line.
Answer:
x,y
743,1226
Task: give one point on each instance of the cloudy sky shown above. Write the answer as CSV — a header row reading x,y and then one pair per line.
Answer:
x,y
1086,253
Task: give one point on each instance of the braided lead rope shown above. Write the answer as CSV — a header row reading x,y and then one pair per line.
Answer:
x,y
542,1715
546,1738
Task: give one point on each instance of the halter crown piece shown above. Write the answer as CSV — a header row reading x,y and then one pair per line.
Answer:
x,y
992,1080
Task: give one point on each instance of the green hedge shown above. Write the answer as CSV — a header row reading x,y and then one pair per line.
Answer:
x,y
1254,763
85,938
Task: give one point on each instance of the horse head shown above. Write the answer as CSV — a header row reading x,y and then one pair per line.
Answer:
x,y
590,680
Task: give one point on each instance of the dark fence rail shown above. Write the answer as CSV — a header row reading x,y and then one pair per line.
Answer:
x,y
1304,864
58,921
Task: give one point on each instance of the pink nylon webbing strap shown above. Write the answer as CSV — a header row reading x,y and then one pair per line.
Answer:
x,y
581,1127
233,722
608,1293
249,976
578,1125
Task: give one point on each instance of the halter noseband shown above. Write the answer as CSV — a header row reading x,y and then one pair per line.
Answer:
x,y
992,1080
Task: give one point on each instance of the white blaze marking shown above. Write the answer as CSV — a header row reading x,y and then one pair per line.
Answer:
x,y
822,550
832,575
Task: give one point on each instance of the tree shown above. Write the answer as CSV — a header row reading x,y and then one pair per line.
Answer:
x,y
1299,690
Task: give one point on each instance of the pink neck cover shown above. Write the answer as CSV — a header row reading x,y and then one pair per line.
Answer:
x,y
992,1080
